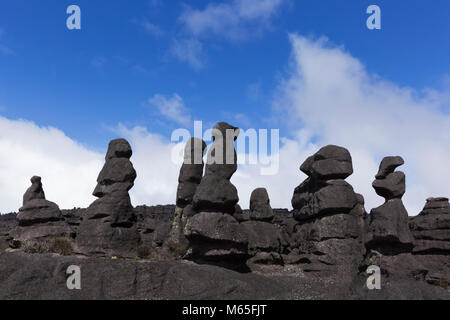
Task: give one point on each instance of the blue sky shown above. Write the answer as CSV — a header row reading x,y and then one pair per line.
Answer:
x,y
216,60
85,81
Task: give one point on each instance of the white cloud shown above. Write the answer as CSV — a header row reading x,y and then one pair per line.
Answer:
x,y
332,96
152,28
230,19
172,107
68,169
189,51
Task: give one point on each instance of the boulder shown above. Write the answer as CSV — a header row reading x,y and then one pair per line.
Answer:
x,y
260,208
388,228
330,162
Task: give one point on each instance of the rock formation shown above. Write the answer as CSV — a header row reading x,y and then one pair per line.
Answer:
x,y
108,226
431,232
321,249
213,233
38,218
191,174
389,241
388,226
265,238
260,208
327,238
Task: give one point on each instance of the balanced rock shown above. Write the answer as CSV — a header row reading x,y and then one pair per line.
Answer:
x,y
213,232
108,226
388,224
330,162
38,218
260,208
431,232
388,165
330,215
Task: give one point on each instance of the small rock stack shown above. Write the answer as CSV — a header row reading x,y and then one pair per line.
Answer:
x,y
191,174
431,232
38,218
264,238
108,226
213,233
389,241
388,226
330,215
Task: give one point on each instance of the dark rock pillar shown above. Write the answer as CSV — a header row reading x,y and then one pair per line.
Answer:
x,y
108,226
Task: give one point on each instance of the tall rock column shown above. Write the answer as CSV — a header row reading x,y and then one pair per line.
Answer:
x,y
389,241
108,226
330,215
191,174
214,234
388,224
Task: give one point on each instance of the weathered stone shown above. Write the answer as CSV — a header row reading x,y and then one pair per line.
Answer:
x,y
260,208
388,228
262,236
39,219
392,186
191,171
215,194
109,224
119,148
330,162
337,196
388,165
35,191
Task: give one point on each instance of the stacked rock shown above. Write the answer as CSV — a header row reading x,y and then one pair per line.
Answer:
x,y
388,230
264,238
431,232
191,174
38,218
213,233
108,226
389,241
191,171
330,215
